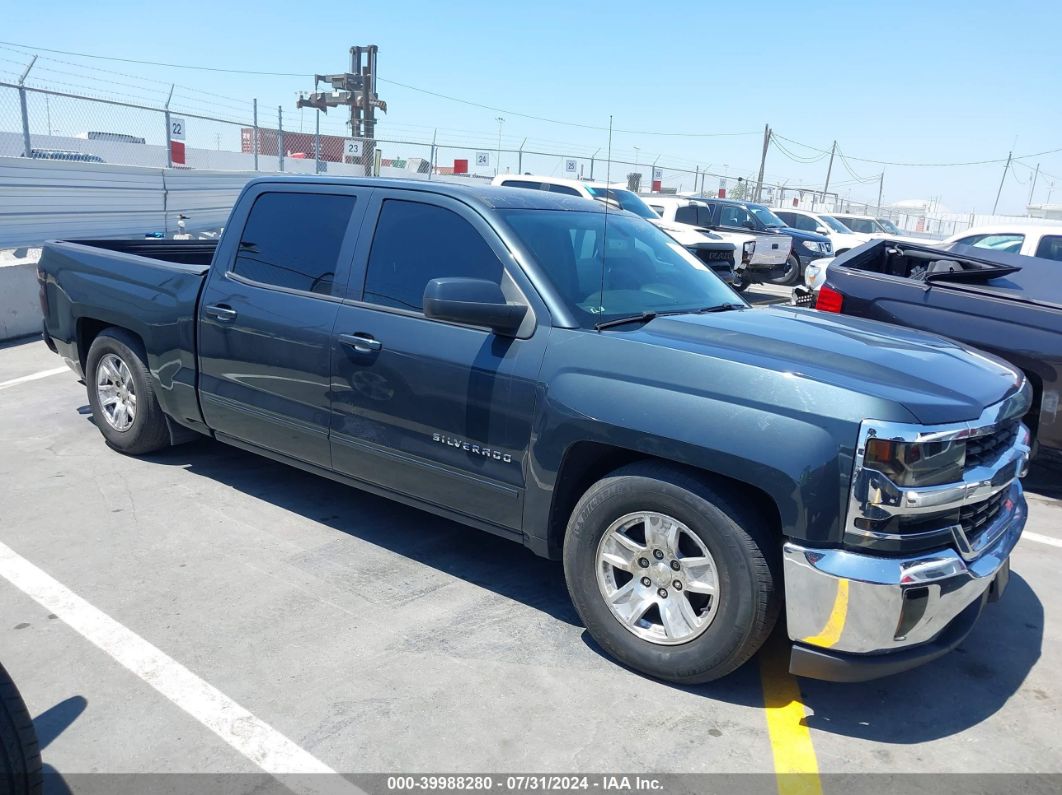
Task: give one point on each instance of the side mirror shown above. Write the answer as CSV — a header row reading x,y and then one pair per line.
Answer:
x,y
822,230
749,225
475,302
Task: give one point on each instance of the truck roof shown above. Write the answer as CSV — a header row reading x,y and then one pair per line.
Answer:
x,y
484,196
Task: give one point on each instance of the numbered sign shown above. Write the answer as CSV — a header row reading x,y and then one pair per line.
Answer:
x,y
658,173
177,129
352,147
571,165
482,158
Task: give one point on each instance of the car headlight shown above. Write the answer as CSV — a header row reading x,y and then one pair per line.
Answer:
x,y
816,247
916,463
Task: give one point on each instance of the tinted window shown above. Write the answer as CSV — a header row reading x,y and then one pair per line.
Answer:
x,y
789,218
415,243
686,215
863,225
1008,243
733,215
1050,247
293,239
800,222
524,183
567,191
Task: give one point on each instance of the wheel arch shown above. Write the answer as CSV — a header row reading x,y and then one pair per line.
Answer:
x,y
586,462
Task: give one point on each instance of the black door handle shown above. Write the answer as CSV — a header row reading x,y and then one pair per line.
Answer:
x,y
220,312
362,343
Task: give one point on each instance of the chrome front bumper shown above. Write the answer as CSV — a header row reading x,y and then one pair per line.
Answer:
x,y
851,603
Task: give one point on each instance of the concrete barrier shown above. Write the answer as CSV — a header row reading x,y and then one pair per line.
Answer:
x,y
20,309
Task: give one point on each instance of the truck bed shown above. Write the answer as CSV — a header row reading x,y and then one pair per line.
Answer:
x,y
150,287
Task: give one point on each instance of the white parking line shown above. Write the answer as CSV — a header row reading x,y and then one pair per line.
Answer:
x,y
254,738
34,377
1054,542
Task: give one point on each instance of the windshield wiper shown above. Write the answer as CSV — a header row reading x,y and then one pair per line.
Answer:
x,y
720,308
645,317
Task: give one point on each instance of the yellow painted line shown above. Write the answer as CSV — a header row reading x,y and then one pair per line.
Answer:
x,y
795,766
831,633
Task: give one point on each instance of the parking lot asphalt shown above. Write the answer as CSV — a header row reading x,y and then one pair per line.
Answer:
x,y
379,638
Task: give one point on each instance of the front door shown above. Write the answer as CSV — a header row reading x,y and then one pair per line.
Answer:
x,y
435,411
266,319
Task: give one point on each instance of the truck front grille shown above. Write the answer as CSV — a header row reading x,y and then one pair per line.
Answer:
x,y
976,517
983,450
715,258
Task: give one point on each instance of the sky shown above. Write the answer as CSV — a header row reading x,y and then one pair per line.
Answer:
x,y
686,84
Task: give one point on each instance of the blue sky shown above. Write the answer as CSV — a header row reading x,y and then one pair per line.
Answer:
x,y
899,81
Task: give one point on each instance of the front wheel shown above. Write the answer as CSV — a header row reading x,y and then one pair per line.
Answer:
x,y
743,282
669,576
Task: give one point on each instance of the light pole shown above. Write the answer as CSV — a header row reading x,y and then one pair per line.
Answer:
x,y
497,165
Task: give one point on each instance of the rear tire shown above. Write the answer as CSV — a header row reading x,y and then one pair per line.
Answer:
x,y
121,394
647,627
21,770
793,274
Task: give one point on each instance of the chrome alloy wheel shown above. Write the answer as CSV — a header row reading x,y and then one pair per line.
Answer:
x,y
116,392
657,577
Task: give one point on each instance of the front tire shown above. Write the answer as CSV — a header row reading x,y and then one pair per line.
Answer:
x,y
121,394
670,577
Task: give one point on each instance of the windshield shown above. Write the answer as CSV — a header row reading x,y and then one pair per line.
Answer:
x,y
765,216
834,224
645,269
625,199
864,225
889,226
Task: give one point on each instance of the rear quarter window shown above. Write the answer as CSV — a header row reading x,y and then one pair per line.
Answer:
x,y
1050,247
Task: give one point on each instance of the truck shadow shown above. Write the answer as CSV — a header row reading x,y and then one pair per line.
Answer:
x,y
946,697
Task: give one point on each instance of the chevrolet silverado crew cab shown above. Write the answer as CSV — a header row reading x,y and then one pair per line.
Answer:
x,y
718,252
564,374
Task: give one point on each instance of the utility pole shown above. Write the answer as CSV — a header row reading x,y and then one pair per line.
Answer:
x,y
1033,188
763,159
1000,191
497,163
829,171
881,185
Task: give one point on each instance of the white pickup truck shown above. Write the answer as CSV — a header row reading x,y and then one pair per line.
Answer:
x,y
769,252
719,252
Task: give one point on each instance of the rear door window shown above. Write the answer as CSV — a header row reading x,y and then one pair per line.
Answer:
x,y
292,240
686,215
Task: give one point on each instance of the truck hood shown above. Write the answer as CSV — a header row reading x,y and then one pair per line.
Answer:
x,y
688,235
936,379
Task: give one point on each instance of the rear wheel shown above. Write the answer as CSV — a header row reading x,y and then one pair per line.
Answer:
x,y
669,576
20,754
792,273
121,395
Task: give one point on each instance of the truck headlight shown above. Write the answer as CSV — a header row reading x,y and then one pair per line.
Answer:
x,y
916,463
748,250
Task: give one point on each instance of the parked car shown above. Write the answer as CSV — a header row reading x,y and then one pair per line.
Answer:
x,y
1006,304
1042,241
766,254
879,228
734,215
841,237
473,352
715,251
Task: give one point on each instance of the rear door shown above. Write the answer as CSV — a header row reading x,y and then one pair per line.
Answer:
x,y
436,411
266,317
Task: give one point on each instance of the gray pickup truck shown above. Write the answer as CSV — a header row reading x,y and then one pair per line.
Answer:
x,y
565,375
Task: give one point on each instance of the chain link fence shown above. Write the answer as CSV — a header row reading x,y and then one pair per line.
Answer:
x,y
180,133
